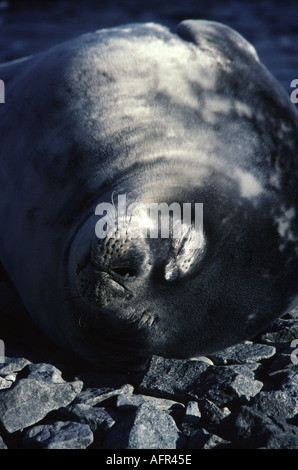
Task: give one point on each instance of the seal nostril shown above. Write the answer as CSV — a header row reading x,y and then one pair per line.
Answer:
x,y
124,271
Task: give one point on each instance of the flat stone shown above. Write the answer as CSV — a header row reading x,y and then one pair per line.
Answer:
x,y
171,378
98,419
148,428
30,400
128,401
59,435
93,396
243,353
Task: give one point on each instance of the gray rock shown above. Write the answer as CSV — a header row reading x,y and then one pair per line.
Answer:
x,y
211,415
29,400
192,413
98,419
294,313
249,428
2,444
13,364
202,439
277,404
223,385
289,383
7,381
243,369
59,435
192,419
282,441
148,428
282,331
187,381
171,378
93,396
282,362
45,372
243,353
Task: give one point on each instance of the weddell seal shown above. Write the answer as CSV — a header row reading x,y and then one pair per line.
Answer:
x,y
186,117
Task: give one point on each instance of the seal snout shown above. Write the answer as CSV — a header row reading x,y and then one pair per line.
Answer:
x,y
114,268
123,258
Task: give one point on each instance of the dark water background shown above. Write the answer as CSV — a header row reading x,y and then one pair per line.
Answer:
x,y
27,27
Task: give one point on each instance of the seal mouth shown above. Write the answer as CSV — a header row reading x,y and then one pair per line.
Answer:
x,y
107,319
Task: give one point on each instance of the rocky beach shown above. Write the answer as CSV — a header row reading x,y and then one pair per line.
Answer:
x,y
245,397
